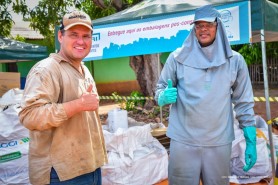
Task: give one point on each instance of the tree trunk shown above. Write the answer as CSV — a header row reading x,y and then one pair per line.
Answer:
x,y
99,3
118,4
147,73
144,66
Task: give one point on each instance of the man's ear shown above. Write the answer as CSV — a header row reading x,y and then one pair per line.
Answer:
x,y
60,35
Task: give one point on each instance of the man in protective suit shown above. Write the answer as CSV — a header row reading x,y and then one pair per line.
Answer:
x,y
205,80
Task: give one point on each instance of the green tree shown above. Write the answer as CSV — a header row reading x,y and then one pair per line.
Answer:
x,y
252,53
6,20
48,13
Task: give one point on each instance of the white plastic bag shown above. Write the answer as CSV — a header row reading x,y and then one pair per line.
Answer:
x,y
262,168
14,142
134,157
14,162
11,97
10,127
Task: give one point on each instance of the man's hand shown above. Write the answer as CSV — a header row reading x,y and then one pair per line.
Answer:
x,y
169,95
87,102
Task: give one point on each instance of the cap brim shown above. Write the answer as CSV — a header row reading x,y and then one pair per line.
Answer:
x,y
206,19
79,23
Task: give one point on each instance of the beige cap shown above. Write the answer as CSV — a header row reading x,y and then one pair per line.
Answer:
x,y
74,18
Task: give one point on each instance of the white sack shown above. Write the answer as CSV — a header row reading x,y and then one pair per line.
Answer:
x,y
262,168
14,162
10,127
14,141
134,157
11,97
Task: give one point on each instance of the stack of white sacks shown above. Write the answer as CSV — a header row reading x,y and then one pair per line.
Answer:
x,y
135,156
14,141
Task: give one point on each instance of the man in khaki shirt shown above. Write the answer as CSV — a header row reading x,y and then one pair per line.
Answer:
x,y
60,108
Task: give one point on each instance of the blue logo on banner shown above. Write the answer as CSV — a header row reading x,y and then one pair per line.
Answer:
x,y
96,37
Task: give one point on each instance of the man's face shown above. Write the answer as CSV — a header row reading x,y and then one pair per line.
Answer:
x,y
205,32
76,43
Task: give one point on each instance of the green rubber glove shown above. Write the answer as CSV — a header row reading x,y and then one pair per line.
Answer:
x,y
250,151
169,95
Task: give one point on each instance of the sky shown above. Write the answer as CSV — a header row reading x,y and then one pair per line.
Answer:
x,y
21,27
30,4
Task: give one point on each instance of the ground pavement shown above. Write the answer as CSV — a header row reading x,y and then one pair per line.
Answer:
x,y
260,107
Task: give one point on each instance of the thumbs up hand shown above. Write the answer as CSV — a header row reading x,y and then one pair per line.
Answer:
x,y
169,95
90,88
89,100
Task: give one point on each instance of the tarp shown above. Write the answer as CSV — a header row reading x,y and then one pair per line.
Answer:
x,y
263,13
153,8
15,51
158,26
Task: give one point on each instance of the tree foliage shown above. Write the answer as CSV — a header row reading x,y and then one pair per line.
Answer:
x,y
6,20
252,53
48,13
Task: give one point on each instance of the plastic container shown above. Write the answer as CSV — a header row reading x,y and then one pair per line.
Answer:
x,y
117,118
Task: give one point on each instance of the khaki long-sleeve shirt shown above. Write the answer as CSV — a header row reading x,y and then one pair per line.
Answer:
x,y
73,146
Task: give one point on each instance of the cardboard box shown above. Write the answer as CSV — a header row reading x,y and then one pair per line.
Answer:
x,y
9,80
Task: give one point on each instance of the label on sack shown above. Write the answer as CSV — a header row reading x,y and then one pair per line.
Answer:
x,y
13,149
10,157
13,143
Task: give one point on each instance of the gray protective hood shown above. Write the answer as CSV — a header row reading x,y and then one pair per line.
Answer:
x,y
191,53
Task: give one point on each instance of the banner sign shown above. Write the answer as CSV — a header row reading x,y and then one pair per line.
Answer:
x,y
164,33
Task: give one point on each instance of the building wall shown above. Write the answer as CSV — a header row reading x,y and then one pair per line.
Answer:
x,y
111,75
2,68
115,75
